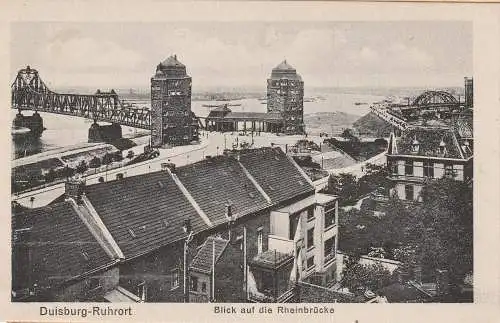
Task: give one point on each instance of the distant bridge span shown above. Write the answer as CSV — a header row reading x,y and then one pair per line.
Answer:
x,y
29,92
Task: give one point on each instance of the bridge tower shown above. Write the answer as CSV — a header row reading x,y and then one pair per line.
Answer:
x,y
469,92
285,94
172,121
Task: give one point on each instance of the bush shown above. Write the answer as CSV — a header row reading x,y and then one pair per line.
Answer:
x,y
95,162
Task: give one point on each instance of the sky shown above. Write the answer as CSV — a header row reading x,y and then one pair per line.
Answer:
x,y
242,54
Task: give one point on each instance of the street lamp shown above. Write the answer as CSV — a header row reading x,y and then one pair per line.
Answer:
x,y
187,229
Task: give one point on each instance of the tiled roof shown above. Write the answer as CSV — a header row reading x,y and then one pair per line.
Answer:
x,y
143,212
275,173
204,258
219,181
61,246
464,128
429,140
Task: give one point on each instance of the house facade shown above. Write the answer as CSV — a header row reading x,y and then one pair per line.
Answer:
x,y
152,226
421,154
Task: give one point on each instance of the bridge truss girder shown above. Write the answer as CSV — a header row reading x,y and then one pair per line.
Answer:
x,y
29,92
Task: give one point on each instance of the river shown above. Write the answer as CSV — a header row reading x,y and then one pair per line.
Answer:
x,y
63,131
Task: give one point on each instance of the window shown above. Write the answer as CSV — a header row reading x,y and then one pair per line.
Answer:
x,y
94,283
194,283
204,287
175,278
448,171
259,240
329,217
239,241
310,262
141,291
310,213
310,238
293,226
428,169
409,192
409,167
329,249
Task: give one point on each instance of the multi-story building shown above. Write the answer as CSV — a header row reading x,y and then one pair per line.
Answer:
x,y
126,236
285,94
172,121
425,153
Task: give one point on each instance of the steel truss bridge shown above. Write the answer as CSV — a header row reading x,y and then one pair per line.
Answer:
x,y
398,115
29,92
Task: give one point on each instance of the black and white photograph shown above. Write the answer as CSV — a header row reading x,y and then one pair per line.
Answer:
x,y
242,162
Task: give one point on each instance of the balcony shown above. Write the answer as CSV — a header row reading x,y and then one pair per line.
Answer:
x,y
408,178
281,244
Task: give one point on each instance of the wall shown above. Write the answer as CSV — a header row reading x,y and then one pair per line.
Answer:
x,y
80,291
156,270
229,275
200,296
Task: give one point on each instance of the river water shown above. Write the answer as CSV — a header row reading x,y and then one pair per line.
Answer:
x,y
63,131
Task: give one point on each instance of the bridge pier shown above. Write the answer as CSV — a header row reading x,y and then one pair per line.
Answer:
x,y
104,133
33,122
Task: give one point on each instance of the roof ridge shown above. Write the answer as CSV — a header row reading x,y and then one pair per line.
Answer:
x,y
301,171
87,206
190,199
255,183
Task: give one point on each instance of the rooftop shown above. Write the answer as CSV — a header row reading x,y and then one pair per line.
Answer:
x,y
276,173
203,261
61,247
285,71
218,181
143,212
171,68
432,142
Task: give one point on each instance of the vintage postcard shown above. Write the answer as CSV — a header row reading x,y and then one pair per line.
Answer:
x,y
228,161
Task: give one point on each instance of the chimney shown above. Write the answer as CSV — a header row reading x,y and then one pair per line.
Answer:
x,y
442,282
74,188
187,225
168,166
229,211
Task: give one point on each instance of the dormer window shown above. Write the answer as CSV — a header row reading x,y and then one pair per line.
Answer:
x,y
442,147
415,145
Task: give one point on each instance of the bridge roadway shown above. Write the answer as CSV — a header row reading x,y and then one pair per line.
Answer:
x,y
384,113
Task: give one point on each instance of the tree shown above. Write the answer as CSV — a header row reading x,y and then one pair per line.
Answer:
x,y
348,133
50,176
118,156
359,278
107,159
345,186
82,167
447,241
95,162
